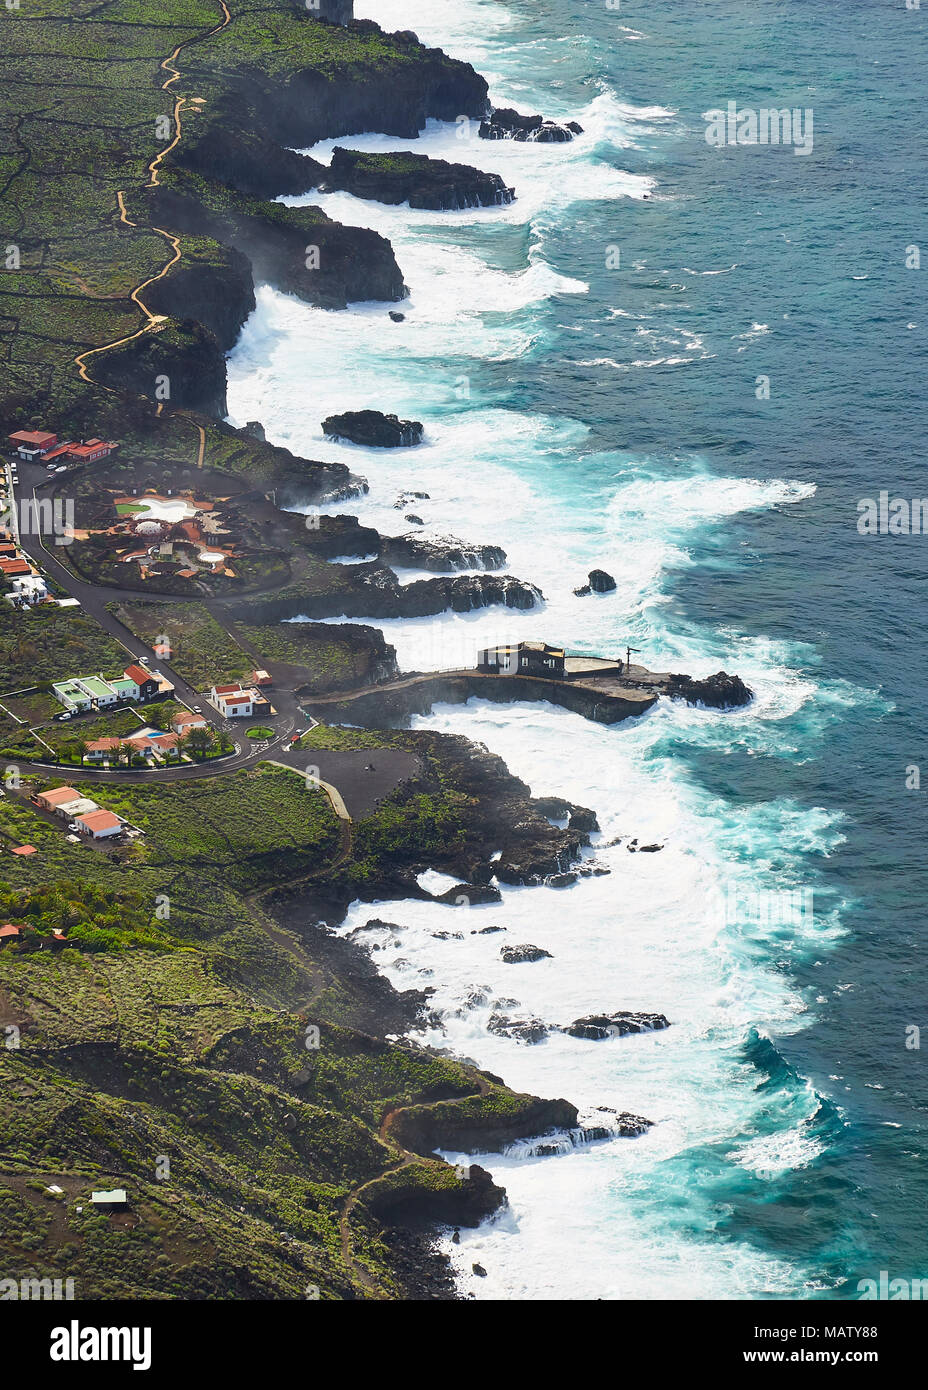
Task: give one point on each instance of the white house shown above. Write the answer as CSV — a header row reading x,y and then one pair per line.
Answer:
x,y
231,701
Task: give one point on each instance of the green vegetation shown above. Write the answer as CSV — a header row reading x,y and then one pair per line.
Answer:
x,y
179,1028
259,731
92,917
47,643
201,651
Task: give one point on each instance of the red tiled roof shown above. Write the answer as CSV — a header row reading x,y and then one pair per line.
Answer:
x,y
39,438
99,820
58,796
24,849
137,674
9,930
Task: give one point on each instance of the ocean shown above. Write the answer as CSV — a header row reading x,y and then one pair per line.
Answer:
x,y
686,365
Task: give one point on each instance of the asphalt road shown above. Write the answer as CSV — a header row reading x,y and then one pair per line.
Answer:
x,y
362,777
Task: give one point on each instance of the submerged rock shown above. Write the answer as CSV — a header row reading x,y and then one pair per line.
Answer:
x,y
373,429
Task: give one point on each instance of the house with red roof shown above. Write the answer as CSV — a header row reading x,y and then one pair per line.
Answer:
x,y
89,450
99,825
146,685
31,444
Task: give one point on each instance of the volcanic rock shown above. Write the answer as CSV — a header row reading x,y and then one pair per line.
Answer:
x,y
373,429
523,954
504,123
617,1025
720,691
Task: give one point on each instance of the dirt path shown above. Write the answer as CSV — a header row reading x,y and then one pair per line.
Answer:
x,y
154,320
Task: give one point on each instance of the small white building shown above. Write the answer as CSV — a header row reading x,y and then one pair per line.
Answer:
x,y
232,702
30,589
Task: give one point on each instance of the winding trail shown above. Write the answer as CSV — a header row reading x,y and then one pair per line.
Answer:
x,y
153,321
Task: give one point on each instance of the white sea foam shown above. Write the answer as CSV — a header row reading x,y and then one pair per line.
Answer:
x,y
622,1218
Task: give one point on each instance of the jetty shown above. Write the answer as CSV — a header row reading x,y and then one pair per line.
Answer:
x,y
603,689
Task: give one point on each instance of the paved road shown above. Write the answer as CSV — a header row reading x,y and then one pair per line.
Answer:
x,y
348,772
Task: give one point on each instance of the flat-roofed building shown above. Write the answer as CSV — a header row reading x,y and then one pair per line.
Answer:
x,y
522,659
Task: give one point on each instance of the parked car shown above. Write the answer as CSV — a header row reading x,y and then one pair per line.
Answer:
x,y
197,709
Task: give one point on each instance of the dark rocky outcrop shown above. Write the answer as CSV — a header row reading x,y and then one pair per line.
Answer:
x,y
414,178
471,895
720,691
403,1198
373,429
181,357
340,535
523,954
211,284
297,250
465,1128
617,1025
598,582
372,591
248,161
504,123
443,554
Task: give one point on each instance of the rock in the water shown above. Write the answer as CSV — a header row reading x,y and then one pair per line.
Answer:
x,y
373,429
583,819
599,1026
256,430
630,1126
397,317
479,1269
405,498
525,1030
598,582
720,691
440,554
504,123
469,894
487,931
413,519
401,176
520,955
563,880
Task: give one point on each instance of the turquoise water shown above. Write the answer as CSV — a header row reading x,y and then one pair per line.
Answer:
x,y
582,415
